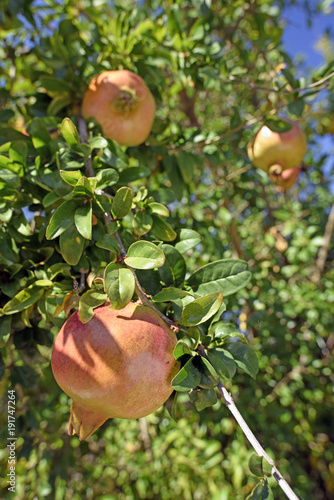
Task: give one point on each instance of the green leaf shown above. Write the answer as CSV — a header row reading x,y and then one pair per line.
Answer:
x,y
58,103
71,245
169,294
209,377
186,162
245,357
98,142
133,174
83,220
106,177
199,310
188,378
174,270
188,239
108,242
277,125
71,177
53,84
203,398
144,255
161,229
25,298
222,331
262,491
223,362
259,466
122,202
119,284
85,187
142,223
69,132
61,219
18,152
39,135
88,302
226,276
181,349
157,208
5,325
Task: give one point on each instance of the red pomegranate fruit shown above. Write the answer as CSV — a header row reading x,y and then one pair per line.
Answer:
x,y
122,104
118,365
274,152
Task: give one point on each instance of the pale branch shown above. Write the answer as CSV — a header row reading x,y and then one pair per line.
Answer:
x,y
280,90
229,402
324,249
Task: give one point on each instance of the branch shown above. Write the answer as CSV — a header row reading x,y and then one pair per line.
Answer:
x,y
83,134
251,437
280,90
323,251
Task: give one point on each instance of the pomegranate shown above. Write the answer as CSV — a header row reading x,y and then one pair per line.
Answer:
x,y
286,178
120,364
122,104
273,152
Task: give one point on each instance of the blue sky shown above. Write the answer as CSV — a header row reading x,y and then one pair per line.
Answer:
x,y
300,39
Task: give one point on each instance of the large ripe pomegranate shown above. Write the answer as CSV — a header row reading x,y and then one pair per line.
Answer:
x,y
122,104
120,364
286,178
273,152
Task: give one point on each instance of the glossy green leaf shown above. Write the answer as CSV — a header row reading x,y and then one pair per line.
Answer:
x,y
83,220
209,377
61,219
259,466
225,276
88,302
181,349
157,208
85,187
245,357
161,229
188,378
71,177
142,223
144,255
98,142
223,362
174,270
25,298
69,132
222,331
169,294
277,125
119,284
71,245
39,135
122,202
18,152
188,239
199,310
108,242
106,177
203,398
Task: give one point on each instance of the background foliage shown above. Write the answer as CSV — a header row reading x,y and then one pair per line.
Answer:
x,y
217,71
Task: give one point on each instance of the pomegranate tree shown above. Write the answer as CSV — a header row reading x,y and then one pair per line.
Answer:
x,y
122,104
120,364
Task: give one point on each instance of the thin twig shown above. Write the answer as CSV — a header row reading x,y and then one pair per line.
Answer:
x,y
83,134
323,251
